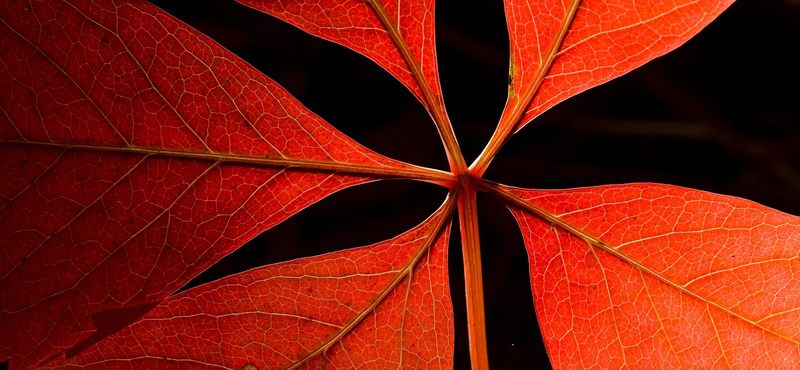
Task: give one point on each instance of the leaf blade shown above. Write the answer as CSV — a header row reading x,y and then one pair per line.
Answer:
x,y
613,42
398,36
659,227
353,24
560,48
306,313
136,149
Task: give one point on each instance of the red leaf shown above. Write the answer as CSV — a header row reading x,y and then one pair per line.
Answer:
x,y
137,153
560,48
355,24
399,36
573,45
649,276
382,306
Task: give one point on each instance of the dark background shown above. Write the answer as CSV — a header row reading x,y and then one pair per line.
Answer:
x,y
721,113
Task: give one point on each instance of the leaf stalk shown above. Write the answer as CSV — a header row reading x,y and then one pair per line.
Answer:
x,y
473,279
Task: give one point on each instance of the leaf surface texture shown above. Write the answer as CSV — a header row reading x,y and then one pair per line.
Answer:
x,y
661,277
562,47
136,152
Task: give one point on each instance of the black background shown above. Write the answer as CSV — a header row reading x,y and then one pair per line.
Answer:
x,y
721,113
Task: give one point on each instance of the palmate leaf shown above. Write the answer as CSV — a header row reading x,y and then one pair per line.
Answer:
x,y
166,99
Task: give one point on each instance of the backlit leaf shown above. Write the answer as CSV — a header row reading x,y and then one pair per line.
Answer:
x,y
649,276
401,27
560,48
137,152
382,306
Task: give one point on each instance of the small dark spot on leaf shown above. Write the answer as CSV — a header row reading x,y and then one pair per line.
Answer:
x,y
104,40
131,222
203,235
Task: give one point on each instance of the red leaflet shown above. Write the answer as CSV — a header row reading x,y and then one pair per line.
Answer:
x,y
136,153
381,306
655,276
356,25
562,47
575,45
399,36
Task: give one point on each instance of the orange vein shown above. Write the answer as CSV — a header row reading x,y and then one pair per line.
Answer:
x,y
504,194
511,118
442,217
384,172
431,102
